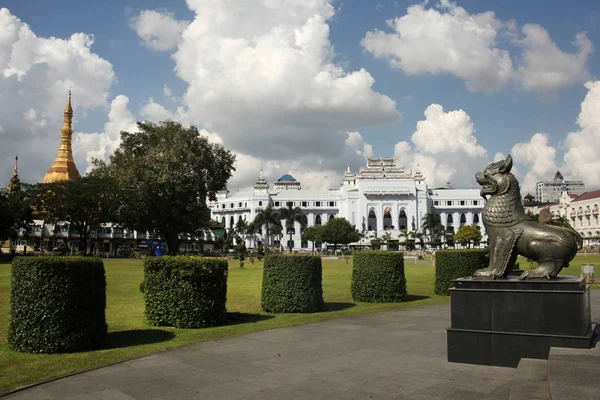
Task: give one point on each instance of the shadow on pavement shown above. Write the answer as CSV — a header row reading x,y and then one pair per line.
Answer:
x,y
136,337
329,306
235,318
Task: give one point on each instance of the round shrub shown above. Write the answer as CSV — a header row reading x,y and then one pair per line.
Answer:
x,y
292,284
185,292
57,304
378,277
454,264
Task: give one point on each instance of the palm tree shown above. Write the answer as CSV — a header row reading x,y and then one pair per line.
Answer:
x,y
277,231
432,225
241,228
404,234
292,215
269,219
251,230
387,237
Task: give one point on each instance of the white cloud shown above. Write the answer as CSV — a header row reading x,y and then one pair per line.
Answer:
x,y
261,76
545,68
35,76
444,148
539,157
445,40
583,146
158,30
89,146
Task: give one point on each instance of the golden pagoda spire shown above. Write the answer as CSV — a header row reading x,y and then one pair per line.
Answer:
x,y
14,185
64,168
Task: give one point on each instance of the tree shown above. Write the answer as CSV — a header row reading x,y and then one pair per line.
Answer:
x,y
339,231
251,230
291,215
312,233
386,237
467,234
277,231
432,225
85,203
241,228
269,219
165,174
16,210
561,220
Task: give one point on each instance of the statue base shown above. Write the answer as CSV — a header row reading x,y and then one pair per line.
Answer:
x,y
498,322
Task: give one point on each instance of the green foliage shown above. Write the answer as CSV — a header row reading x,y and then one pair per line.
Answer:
x,y
291,215
467,234
57,304
432,224
454,264
164,176
260,251
269,219
378,277
185,292
241,248
85,203
292,284
15,209
339,231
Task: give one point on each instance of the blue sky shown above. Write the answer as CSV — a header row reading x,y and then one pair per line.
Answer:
x,y
506,116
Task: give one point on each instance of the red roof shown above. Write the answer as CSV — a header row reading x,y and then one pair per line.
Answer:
x,y
588,196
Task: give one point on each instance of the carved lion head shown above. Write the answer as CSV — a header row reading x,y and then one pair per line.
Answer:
x,y
495,178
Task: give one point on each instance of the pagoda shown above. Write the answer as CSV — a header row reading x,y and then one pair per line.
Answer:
x,y
64,168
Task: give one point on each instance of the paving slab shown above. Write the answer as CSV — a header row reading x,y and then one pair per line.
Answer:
x,y
390,355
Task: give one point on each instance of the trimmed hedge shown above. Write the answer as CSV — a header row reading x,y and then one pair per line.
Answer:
x,y
185,292
454,264
292,284
378,277
57,304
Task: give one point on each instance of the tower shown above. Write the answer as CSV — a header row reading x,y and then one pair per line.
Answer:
x,y
15,183
64,168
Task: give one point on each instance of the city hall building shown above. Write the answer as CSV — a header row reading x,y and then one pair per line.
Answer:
x,y
380,198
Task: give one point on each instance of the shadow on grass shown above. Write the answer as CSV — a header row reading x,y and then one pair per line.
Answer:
x,y
415,297
136,337
236,318
329,306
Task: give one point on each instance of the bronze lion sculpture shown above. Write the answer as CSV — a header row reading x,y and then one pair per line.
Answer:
x,y
511,232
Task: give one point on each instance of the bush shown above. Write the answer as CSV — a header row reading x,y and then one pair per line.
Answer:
x,y
454,264
185,292
378,277
292,284
57,304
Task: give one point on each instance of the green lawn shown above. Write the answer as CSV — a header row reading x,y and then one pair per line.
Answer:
x,y
130,335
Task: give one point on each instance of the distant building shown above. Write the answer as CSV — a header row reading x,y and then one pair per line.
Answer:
x,y
550,191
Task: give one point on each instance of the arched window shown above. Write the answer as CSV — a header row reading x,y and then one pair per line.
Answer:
x,y
331,217
318,220
463,219
223,221
402,220
231,222
475,218
449,221
372,221
387,218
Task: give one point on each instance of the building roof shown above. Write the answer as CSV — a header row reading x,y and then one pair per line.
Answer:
x,y
588,196
304,194
286,178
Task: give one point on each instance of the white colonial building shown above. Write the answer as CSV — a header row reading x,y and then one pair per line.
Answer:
x,y
380,198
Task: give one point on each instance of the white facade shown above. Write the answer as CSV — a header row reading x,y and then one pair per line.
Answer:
x,y
583,213
380,198
550,191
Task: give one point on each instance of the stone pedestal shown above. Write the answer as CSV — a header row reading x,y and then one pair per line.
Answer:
x,y
498,322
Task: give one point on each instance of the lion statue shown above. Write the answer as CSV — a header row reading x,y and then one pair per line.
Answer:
x,y
511,232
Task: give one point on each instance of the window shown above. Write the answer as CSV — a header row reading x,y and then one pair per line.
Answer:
x,y
118,231
231,205
448,203
462,202
304,204
276,204
246,204
290,230
222,205
290,204
304,243
317,204
260,231
436,203
260,203
475,202
332,204
239,204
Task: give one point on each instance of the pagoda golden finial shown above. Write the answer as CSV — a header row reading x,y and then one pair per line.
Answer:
x,y
64,168
16,169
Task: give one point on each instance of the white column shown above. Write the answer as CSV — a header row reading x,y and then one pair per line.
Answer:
x,y
379,213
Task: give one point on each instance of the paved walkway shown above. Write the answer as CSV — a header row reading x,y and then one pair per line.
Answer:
x,y
391,355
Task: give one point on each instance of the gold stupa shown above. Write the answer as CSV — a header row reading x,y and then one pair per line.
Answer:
x,y
64,168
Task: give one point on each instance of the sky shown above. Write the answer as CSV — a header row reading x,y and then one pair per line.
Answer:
x,y
308,87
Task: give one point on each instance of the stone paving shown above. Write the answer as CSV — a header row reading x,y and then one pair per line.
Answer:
x,y
390,355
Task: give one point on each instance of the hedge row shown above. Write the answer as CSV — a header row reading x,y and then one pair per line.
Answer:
x,y
57,304
292,284
185,292
454,264
378,277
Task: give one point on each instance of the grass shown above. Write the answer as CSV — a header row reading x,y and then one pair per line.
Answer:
x,y
131,336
